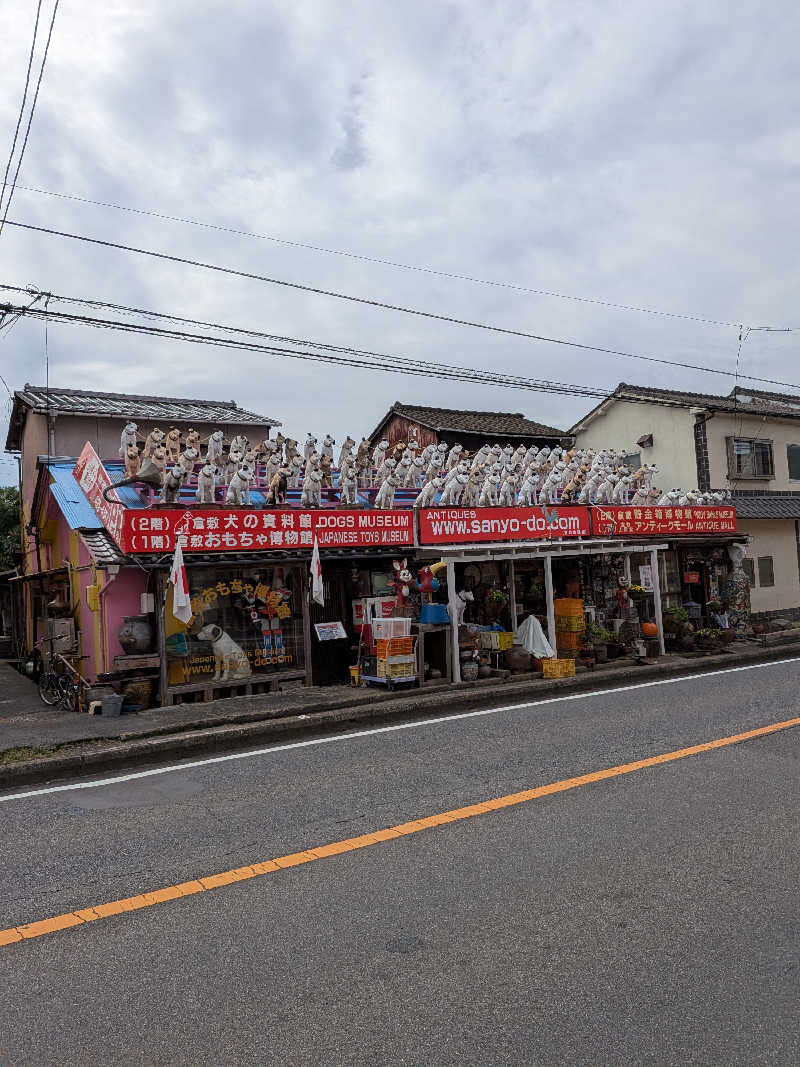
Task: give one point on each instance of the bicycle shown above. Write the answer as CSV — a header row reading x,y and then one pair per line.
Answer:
x,y
62,684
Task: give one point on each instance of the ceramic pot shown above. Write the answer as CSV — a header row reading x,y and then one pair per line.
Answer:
x,y
136,634
518,659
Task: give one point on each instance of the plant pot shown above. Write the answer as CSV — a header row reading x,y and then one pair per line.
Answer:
x,y
601,652
518,659
136,634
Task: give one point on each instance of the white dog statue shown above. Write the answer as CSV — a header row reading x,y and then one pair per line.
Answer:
x,y
230,660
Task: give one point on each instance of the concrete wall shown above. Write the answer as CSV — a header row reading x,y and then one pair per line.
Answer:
x,y
776,538
782,432
673,439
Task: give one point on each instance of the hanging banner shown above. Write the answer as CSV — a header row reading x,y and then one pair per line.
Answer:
x,y
93,478
626,521
446,526
245,529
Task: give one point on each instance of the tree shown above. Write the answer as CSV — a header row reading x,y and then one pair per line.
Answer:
x,y
9,528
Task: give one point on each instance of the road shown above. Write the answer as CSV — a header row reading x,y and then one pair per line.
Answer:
x,y
647,918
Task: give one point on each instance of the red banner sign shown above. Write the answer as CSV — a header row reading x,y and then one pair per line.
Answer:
x,y
445,526
626,521
93,478
245,529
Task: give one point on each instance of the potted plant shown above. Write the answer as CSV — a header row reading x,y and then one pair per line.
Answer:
x,y
598,638
708,638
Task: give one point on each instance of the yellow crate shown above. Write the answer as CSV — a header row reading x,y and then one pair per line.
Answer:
x,y
395,646
496,640
398,667
568,606
558,668
570,623
568,640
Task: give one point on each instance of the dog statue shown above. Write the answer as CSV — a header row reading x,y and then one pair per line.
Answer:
x,y
427,497
385,497
311,496
206,484
238,492
128,438
230,659
173,482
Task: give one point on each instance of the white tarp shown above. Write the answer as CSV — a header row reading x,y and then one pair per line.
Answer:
x,y
531,636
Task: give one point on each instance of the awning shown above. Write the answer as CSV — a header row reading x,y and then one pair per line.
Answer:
x,y
40,574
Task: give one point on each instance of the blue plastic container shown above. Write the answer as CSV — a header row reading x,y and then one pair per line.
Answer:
x,y
433,613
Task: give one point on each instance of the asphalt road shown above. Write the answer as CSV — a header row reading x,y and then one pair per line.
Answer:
x,y
652,918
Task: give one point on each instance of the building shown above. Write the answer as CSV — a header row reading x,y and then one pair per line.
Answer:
x,y
747,442
470,429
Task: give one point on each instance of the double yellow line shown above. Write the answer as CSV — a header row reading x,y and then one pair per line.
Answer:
x,y
350,844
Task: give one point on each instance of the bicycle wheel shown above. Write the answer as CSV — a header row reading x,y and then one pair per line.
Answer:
x,y
68,694
48,687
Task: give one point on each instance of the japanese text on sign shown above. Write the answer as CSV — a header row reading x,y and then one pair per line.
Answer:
x,y
93,478
236,530
620,521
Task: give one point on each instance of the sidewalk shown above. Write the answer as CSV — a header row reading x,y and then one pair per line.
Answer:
x,y
38,743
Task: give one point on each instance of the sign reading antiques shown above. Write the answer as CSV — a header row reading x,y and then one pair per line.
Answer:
x,y
661,521
93,478
446,526
244,529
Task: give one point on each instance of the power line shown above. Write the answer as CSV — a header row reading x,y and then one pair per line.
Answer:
x,y
22,105
385,306
30,117
379,260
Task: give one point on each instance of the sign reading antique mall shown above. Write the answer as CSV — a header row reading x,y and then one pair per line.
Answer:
x,y
447,526
661,522
93,478
245,529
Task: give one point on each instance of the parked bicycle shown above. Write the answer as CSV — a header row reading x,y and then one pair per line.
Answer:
x,y
62,684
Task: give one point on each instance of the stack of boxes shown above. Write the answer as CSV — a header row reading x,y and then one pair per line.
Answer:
x,y
396,658
570,627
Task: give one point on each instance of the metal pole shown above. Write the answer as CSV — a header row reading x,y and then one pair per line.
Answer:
x,y
657,598
551,611
162,589
512,600
452,602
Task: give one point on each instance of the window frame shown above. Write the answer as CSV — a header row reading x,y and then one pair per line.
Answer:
x,y
793,477
749,474
763,559
749,568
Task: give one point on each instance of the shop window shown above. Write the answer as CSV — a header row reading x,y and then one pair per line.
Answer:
x,y
749,568
793,458
749,457
247,621
669,573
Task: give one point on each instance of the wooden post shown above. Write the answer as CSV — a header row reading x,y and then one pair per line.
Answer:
x,y
452,601
551,611
657,598
512,600
161,599
309,679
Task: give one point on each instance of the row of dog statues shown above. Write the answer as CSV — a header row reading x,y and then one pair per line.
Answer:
x,y
443,475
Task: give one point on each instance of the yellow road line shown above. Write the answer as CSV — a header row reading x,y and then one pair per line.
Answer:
x,y
256,870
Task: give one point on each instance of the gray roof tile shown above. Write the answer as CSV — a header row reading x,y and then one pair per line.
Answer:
x,y
493,423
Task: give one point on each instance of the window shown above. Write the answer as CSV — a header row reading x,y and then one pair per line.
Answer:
x,y
766,572
748,457
749,569
793,457
634,461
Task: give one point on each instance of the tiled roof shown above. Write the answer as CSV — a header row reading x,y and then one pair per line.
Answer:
x,y
132,406
739,400
767,505
491,423
101,548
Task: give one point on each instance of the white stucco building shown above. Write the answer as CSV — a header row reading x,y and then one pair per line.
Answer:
x,y
747,442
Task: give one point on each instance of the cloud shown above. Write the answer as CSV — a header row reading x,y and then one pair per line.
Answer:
x,y
631,153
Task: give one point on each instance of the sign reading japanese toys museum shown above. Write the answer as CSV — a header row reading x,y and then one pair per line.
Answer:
x,y
661,521
245,529
441,526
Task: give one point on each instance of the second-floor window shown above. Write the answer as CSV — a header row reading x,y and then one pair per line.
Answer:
x,y
793,456
749,457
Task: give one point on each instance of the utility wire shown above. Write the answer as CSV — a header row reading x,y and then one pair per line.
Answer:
x,y
379,304
377,259
30,117
22,105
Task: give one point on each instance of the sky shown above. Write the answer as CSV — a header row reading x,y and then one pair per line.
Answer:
x,y
621,153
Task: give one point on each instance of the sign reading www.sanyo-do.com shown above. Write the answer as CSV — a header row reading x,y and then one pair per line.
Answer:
x,y
442,526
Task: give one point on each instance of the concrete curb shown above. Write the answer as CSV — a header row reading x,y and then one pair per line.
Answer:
x,y
239,730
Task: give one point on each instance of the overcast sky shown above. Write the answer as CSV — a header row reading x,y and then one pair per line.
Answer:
x,y
637,153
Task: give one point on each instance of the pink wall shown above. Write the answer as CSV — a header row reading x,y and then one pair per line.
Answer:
x,y
121,599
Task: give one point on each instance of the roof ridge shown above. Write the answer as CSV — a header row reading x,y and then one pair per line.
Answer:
x,y
130,396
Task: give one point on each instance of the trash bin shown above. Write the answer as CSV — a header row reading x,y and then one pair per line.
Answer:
x,y
112,703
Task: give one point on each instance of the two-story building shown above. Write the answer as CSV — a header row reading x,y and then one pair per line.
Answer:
x,y
747,442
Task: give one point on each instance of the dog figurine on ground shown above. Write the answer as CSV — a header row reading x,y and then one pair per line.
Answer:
x,y
230,660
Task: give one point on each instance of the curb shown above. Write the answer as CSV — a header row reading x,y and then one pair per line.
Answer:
x,y
245,728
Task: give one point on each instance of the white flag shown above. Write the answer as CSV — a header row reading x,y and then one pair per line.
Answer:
x,y
181,601
317,592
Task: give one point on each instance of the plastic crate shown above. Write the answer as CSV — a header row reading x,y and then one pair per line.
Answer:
x,y
568,606
386,629
569,640
395,646
558,668
399,667
570,623
495,640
